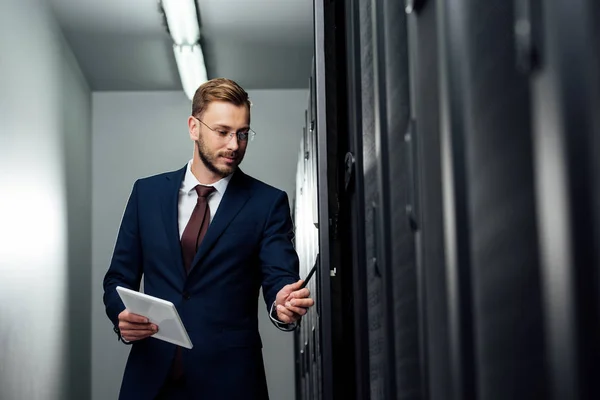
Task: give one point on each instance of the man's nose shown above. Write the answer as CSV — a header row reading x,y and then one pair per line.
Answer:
x,y
233,142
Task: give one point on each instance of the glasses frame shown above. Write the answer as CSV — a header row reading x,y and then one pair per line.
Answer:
x,y
228,135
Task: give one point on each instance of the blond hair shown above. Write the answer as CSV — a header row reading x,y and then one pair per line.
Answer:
x,y
219,89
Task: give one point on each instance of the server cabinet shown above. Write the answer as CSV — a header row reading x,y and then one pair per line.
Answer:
x,y
380,352
308,354
451,156
425,204
566,98
314,338
492,258
327,333
341,273
353,201
395,244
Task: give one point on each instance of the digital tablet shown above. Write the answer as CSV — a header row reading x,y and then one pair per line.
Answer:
x,y
160,312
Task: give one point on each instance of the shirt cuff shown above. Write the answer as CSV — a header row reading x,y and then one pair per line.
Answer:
x,y
121,338
279,324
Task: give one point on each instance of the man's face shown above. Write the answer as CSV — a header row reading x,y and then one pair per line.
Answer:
x,y
220,151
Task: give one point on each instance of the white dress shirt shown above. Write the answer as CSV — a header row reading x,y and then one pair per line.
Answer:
x,y
188,197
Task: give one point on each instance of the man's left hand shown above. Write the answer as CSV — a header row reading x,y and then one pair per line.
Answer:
x,y
292,302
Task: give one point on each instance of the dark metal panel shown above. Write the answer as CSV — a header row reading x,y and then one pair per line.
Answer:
x,y
506,295
454,87
324,237
566,132
374,282
396,247
403,253
429,240
382,221
355,189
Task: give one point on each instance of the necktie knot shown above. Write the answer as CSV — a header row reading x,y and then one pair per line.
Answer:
x,y
204,191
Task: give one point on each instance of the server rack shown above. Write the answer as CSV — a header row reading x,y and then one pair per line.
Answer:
x,y
307,336
456,157
425,202
314,338
565,84
354,200
395,245
490,217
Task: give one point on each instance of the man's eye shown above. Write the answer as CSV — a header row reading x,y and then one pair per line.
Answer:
x,y
222,133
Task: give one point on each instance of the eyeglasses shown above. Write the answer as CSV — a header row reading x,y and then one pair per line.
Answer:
x,y
242,136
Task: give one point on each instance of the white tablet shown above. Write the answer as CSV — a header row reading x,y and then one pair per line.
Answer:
x,y
160,312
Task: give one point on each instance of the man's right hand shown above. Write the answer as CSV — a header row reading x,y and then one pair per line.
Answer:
x,y
135,327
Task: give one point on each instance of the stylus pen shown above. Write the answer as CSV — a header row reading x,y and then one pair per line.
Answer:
x,y
310,274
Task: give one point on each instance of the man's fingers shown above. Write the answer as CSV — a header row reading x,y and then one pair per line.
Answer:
x,y
296,308
134,318
294,286
132,332
132,336
285,319
299,294
292,312
136,334
305,303
283,310
286,316
123,325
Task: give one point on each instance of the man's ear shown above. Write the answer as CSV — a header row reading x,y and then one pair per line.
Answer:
x,y
193,128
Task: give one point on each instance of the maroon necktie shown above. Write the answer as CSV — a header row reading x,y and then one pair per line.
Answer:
x,y
190,241
197,226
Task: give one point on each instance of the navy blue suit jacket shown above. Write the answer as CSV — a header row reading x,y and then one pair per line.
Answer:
x,y
248,245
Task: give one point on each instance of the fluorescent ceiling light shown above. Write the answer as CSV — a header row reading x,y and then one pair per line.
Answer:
x,y
182,21
192,71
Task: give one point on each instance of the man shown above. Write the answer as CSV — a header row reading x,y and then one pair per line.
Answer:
x,y
206,237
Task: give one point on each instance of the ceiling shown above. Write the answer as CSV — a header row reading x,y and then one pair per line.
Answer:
x,y
123,44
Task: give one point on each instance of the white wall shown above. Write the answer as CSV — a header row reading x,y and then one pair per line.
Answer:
x,y
141,134
45,192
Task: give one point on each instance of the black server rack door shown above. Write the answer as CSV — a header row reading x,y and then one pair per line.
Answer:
x,y
322,119
339,140
396,247
355,202
492,243
426,208
307,335
566,90
374,283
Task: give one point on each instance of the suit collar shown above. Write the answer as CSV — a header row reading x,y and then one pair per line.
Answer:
x,y
189,181
170,212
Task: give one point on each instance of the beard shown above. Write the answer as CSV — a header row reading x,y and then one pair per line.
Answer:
x,y
209,159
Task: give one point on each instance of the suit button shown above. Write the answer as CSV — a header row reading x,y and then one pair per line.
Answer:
x,y
186,295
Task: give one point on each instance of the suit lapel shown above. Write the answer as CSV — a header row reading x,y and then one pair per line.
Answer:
x,y
170,211
235,197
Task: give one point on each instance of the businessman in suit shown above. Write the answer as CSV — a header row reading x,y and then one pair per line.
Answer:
x,y
206,237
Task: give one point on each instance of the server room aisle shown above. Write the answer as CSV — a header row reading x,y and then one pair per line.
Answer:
x,y
448,190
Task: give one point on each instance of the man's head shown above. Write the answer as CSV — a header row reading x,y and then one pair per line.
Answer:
x,y
220,125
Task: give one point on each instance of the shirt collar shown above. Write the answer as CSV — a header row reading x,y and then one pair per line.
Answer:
x,y
190,181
